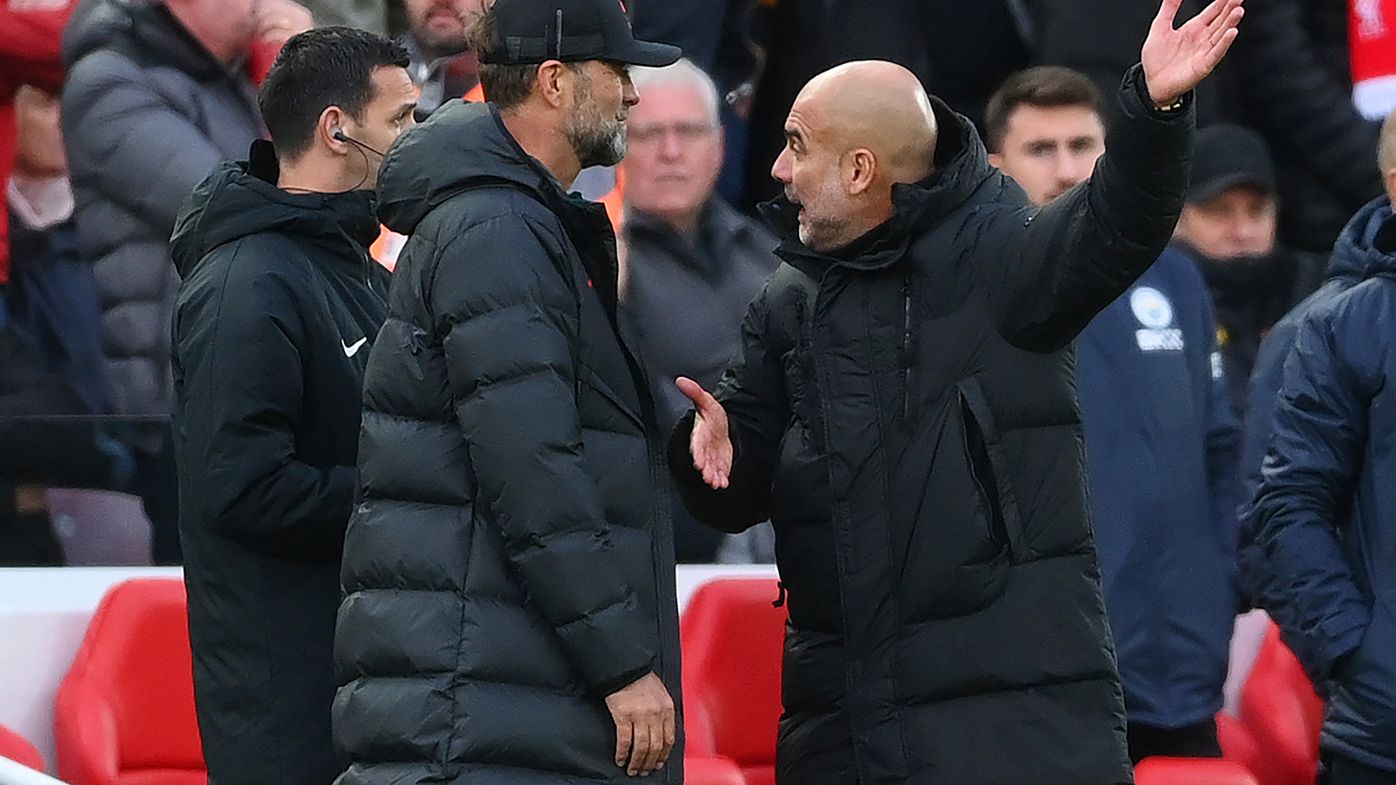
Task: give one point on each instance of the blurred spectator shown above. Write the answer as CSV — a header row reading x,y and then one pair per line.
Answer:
x,y
1289,78
277,20
156,96
29,54
1355,252
1160,440
1228,227
1319,550
1372,41
714,34
1294,79
442,63
52,295
960,51
1101,38
717,35
688,254
370,15
50,351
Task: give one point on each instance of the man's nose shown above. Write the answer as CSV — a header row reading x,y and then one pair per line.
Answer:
x,y
780,170
670,147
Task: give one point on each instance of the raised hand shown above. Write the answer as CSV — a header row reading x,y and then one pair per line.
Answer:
x,y
710,444
1176,60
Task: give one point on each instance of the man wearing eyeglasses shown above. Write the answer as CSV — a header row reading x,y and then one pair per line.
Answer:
x,y
692,267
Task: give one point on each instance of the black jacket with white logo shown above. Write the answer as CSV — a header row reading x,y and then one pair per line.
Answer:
x,y
278,306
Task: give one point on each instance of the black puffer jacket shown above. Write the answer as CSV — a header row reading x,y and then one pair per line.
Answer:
x,y
906,413
512,561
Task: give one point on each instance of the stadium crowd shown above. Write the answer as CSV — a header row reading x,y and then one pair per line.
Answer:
x,y
1233,401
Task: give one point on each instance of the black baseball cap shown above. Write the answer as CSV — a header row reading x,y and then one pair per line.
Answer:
x,y
1227,156
532,31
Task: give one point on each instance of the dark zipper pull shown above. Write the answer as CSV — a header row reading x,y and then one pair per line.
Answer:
x,y
780,598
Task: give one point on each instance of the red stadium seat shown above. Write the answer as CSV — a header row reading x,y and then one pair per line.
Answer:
x,y
1237,744
19,749
1282,714
124,714
711,771
1191,771
732,642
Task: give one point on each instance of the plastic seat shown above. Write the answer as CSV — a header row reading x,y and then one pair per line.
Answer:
x,y
733,638
1192,771
1282,715
19,749
712,770
124,714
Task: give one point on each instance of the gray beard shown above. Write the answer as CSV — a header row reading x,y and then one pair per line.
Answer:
x,y
598,147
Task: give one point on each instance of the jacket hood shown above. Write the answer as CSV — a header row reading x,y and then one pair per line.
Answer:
x,y
1367,245
241,199
460,146
962,165
139,27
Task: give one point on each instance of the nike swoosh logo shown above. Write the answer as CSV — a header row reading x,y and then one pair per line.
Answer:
x,y
350,351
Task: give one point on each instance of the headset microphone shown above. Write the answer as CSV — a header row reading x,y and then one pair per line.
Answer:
x,y
343,137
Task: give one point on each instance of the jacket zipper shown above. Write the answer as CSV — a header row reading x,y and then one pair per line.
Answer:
x,y
906,349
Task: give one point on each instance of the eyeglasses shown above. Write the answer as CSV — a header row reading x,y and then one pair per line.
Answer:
x,y
686,132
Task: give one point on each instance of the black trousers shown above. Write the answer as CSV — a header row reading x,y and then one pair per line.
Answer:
x,y
1338,770
157,484
1189,741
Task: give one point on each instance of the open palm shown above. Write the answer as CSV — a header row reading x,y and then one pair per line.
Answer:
x,y
709,443
1175,60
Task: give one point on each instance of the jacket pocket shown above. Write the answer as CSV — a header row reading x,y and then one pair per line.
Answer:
x,y
948,511
988,465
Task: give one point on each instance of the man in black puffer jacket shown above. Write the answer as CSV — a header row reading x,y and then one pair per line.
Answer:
x,y
904,409
510,612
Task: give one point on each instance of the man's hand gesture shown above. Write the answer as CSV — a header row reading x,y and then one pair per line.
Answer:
x,y
1176,60
710,445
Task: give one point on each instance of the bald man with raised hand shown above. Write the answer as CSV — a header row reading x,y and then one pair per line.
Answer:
x,y
903,409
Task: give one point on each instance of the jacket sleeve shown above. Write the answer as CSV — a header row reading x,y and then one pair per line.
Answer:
x,y
1301,104
1307,483
1261,395
1066,262
752,392
510,323
124,138
29,48
240,360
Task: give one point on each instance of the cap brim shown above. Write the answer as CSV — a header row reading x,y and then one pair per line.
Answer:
x,y
648,53
1211,189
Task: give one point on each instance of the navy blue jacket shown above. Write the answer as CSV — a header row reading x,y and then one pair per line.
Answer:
x,y
1322,525
1161,449
1352,254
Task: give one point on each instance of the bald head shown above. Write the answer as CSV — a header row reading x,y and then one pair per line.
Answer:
x,y
1386,156
854,132
876,105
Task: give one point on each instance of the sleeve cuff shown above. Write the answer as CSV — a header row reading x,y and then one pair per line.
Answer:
x,y
1138,101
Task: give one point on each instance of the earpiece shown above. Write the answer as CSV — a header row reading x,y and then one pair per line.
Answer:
x,y
339,135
